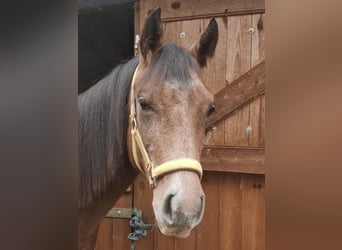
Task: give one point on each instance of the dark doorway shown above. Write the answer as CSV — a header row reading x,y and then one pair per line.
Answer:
x,y
105,38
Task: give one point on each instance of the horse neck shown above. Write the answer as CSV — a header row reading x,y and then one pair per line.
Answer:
x,y
104,167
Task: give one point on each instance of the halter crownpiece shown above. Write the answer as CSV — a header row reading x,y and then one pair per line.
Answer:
x,y
151,171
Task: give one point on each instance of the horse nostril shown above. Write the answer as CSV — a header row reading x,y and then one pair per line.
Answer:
x,y
202,201
168,206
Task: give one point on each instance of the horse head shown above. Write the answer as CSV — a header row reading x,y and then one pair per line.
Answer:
x,y
169,106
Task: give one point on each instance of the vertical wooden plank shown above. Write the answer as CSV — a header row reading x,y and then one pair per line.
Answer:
x,y
254,123
187,243
230,220
235,128
121,227
214,74
208,230
262,122
172,32
257,107
143,202
253,213
137,27
104,236
163,242
238,47
258,39
216,136
238,62
192,30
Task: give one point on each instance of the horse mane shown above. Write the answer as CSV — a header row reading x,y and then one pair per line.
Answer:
x,y
102,128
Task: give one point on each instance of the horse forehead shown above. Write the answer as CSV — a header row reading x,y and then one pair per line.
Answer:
x,y
184,92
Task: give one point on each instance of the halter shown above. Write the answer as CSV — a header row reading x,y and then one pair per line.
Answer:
x,y
151,171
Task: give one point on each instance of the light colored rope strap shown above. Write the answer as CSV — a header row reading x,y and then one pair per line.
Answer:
x,y
177,164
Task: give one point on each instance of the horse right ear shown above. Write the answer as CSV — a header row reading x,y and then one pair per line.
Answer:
x,y
205,47
151,37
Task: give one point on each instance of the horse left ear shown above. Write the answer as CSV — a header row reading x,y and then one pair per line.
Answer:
x,y
151,37
205,47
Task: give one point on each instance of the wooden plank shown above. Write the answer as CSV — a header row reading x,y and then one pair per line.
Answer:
x,y
239,45
207,236
121,227
190,9
236,134
215,136
172,32
262,122
253,212
240,92
188,243
230,203
258,39
163,242
214,75
254,132
143,202
104,236
191,30
233,159
137,27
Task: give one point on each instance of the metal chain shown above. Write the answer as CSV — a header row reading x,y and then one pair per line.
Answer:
x,y
139,228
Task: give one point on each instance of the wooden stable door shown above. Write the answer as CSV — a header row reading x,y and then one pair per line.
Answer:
x,y
234,155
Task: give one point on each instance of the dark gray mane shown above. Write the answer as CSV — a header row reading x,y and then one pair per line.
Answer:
x,y
102,129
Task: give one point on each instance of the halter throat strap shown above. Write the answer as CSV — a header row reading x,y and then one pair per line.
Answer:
x,y
148,169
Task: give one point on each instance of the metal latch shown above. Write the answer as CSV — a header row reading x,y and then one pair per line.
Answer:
x,y
124,213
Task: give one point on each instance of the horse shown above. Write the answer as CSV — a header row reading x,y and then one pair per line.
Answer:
x,y
148,115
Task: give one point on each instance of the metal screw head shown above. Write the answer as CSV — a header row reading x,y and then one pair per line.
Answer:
x,y
119,211
251,30
214,129
182,35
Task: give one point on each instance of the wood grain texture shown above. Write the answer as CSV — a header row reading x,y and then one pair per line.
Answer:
x,y
113,232
230,222
189,9
258,39
207,236
187,243
254,123
215,136
240,92
235,128
143,202
233,159
121,227
253,212
172,32
104,237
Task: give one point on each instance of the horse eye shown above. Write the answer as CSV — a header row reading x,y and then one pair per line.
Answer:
x,y
211,110
143,104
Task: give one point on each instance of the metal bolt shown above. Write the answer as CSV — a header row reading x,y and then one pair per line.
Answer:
x,y
182,35
214,129
251,30
249,130
119,212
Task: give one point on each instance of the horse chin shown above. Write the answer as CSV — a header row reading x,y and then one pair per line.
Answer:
x,y
174,231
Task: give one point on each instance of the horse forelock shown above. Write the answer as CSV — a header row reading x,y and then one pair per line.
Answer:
x,y
172,64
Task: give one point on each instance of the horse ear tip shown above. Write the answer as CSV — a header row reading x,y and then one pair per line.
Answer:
x,y
155,12
213,22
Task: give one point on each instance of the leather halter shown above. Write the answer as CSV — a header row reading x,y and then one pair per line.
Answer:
x,y
151,171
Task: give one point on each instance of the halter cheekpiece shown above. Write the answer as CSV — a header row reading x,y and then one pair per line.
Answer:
x,y
151,171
